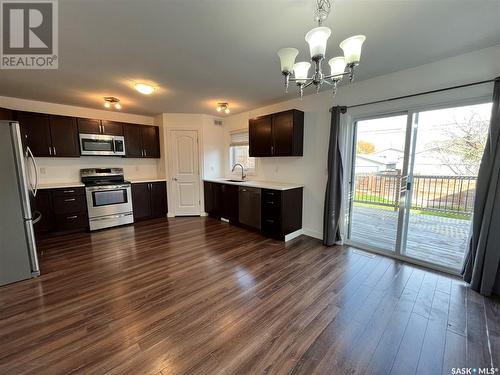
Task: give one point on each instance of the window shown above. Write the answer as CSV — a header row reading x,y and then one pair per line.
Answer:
x,y
238,151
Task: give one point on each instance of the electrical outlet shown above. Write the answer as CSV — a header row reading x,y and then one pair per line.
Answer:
x,y
43,171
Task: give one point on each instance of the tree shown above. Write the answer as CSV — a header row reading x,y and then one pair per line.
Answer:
x,y
364,147
463,145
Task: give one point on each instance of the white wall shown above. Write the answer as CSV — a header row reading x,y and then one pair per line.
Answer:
x,y
310,170
62,170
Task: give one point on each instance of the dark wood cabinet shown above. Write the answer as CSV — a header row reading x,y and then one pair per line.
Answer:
x,y
6,114
280,211
260,132
151,141
142,141
35,129
229,202
158,191
93,126
89,126
64,136
133,140
149,200
49,135
111,127
221,200
62,210
43,205
278,134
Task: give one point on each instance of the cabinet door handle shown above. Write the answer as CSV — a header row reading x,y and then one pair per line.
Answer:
x,y
272,150
70,200
68,191
72,217
145,153
103,129
54,149
50,151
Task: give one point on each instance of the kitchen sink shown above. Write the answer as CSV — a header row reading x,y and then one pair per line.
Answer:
x,y
230,180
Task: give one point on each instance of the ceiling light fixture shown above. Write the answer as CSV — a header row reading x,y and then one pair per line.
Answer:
x,y
223,107
111,101
317,38
144,88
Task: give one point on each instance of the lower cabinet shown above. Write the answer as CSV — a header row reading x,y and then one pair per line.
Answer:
x,y
62,210
275,212
149,200
221,201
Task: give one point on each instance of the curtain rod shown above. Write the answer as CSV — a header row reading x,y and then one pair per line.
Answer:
x,y
423,93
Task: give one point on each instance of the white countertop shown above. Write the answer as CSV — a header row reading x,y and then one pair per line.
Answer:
x,y
139,180
60,185
257,184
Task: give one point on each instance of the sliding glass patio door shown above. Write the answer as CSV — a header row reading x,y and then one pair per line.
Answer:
x,y
377,168
413,182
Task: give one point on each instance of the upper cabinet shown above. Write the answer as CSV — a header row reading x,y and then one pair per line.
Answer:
x,y
92,126
64,136
58,136
278,134
6,114
141,141
49,135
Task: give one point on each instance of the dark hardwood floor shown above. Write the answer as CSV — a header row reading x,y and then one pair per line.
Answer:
x,y
197,296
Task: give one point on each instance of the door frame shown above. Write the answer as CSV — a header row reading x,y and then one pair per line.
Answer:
x,y
170,168
403,202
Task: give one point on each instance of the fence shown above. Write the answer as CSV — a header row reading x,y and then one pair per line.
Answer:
x,y
448,194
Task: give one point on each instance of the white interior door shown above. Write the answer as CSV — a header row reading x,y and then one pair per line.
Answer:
x,y
185,173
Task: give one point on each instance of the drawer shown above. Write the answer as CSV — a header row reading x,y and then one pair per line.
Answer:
x,y
271,226
65,192
72,221
273,196
68,204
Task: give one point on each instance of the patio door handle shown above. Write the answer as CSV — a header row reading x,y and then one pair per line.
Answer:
x,y
408,186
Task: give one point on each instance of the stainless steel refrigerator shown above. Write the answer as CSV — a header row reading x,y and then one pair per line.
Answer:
x,y
18,184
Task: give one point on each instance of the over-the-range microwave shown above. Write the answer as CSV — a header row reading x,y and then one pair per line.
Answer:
x,y
102,145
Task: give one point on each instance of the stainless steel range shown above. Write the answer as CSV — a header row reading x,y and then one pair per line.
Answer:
x,y
109,197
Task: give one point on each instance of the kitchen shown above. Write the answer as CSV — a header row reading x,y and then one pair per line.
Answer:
x,y
56,147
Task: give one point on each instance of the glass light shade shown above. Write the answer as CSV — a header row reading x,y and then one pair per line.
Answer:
x,y
337,66
287,59
301,69
317,38
144,88
352,48
107,104
118,106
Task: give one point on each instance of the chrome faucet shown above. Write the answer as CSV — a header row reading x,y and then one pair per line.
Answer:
x,y
243,175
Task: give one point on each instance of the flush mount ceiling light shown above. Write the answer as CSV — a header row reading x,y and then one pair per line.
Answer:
x,y
111,101
317,38
223,107
144,88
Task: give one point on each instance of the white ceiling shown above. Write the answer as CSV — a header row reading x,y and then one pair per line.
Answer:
x,y
199,52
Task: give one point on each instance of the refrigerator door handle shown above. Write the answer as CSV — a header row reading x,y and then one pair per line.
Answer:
x,y
30,234
35,167
38,217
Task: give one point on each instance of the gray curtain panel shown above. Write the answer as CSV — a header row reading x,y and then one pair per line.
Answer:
x,y
333,196
482,262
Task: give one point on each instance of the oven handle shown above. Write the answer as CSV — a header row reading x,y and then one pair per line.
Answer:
x,y
107,187
111,217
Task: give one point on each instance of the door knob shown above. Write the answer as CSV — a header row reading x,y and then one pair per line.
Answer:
x,y
174,179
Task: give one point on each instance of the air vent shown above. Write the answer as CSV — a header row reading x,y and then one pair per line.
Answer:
x,y
218,122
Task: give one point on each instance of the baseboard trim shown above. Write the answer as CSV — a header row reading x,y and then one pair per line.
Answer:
x,y
291,236
312,233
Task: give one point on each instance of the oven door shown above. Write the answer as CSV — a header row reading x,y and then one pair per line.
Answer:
x,y
109,200
95,144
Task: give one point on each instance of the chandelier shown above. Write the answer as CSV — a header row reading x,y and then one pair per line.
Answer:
x,y
317,38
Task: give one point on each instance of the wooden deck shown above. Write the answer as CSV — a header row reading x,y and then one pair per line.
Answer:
x,y
433,239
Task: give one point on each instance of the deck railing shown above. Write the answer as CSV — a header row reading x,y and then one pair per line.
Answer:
x,y
447,194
